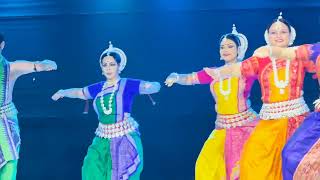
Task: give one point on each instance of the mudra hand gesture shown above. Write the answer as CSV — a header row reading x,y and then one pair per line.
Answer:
x,y
58,95
48,65
171,79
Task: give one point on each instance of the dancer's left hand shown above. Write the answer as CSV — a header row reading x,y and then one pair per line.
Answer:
x,y
48,65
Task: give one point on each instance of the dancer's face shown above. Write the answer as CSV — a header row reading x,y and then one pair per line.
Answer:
x,y
110,67
279,34
228,50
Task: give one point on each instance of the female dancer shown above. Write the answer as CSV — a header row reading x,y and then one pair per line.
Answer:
x,y
9,127
116,151
301,155
220,155
280,74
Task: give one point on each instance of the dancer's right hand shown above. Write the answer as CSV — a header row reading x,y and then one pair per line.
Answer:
x,y
171,79
59,94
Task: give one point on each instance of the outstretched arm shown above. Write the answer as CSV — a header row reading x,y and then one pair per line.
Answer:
x,y
70,93
301,52
276,52
182,79
149,87
21,67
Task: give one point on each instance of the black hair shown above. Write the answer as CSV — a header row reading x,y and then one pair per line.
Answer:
x,y
116,57
283,21
232,37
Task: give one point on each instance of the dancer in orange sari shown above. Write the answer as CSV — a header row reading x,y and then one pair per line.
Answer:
x,y
284,109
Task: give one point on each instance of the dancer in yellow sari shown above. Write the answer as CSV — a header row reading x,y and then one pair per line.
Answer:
x,y
220,155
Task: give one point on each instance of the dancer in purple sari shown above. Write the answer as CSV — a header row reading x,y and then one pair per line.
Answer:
x,y
301,154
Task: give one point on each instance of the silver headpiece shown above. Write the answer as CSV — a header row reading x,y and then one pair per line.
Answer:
x,y
292,37
243,43
122,55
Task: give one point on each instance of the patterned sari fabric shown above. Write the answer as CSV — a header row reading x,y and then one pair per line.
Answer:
x,y
220,155
9,127
301,155
262,152
120,157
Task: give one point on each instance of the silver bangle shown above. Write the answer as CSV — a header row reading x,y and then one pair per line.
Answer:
x,y
35,67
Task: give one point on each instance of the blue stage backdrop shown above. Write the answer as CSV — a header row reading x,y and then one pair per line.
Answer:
x,y
159,37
